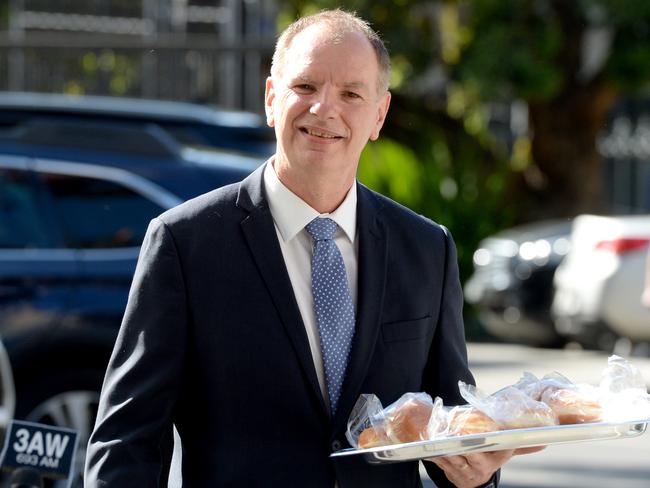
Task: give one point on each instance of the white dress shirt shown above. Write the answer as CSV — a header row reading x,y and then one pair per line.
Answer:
x,y
290,215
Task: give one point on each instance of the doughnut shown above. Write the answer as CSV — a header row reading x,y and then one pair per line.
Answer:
x,y
466,421
409,422
527,417
373,437
571,407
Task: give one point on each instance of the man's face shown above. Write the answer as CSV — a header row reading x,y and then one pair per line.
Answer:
x,y
325,103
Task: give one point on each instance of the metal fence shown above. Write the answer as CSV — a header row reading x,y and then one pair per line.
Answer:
x,y
212,53
194,68
626,147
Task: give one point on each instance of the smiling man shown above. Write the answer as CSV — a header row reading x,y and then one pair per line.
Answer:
x,y
325,104
260,312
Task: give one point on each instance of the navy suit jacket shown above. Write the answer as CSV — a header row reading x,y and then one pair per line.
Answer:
x,y
212,341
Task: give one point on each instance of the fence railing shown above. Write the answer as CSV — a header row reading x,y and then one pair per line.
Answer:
x,y
174,66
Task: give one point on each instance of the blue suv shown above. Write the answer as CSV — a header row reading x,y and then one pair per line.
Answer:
x,y
76,196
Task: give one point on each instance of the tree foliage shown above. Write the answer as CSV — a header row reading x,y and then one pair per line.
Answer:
x,y
570,61
547,47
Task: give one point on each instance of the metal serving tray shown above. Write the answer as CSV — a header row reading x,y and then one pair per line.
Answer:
x,y
495,441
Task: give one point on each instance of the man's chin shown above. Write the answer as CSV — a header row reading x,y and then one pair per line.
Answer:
x,y
320,159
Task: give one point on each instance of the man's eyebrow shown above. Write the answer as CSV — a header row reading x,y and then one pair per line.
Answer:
x,y
354,84
348,85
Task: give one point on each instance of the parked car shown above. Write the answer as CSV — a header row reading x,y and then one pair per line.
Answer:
x,y
7,389
598,286
76,197
191,125
512,283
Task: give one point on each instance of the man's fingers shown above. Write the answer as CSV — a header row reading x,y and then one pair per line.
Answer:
x,y
493,458
453,462
472,469
477,468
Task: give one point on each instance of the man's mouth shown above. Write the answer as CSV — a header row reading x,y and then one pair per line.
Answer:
x,y
319,133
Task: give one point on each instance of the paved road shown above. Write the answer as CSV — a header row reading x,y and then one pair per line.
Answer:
x,y
605,464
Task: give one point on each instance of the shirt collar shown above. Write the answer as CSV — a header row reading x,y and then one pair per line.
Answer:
x,y
291,214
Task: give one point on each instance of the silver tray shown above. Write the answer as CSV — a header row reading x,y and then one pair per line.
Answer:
x,y
496,441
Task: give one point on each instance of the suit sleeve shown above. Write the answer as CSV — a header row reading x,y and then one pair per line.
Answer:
x,y
448,355
126,448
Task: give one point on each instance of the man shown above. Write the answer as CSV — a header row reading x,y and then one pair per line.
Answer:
x,y
254,333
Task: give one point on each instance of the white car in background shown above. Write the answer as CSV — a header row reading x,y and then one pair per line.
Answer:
x,y
598,285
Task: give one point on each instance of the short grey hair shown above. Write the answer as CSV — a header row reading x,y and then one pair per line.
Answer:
x,y
340,23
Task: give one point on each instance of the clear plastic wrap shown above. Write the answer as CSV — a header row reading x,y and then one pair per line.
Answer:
x,y
535,388
620,397
367,416
469,420
408,418
623,392
413,417
509,407
572,403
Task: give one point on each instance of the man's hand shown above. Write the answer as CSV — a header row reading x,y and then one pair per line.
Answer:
x,y
472,470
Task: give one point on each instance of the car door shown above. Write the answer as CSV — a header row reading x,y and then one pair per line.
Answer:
x,y
36,273
103,213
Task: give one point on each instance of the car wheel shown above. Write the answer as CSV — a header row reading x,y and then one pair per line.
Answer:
x,y
65,398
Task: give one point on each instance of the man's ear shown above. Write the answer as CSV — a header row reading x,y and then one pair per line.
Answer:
x,y
269,96
382,110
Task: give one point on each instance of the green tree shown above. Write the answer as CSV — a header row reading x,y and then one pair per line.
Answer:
x,y
570,61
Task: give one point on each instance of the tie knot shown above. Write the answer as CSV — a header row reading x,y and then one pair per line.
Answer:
x,y
321,228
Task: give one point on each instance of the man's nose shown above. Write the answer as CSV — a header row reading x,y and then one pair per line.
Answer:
x,y
324,104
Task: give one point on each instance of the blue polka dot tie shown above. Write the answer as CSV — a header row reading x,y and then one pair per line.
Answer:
x,y
332,304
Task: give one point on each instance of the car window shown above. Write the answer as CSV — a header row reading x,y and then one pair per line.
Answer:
x,y
140,139
96,213
22,223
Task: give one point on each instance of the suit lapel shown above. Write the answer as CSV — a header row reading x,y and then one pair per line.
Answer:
x,y
259,232
373,242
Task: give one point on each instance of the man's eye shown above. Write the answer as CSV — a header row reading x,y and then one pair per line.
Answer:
x,y
304,87
350,94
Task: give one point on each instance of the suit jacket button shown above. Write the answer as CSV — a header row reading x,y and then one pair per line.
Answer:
x,y
336,445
